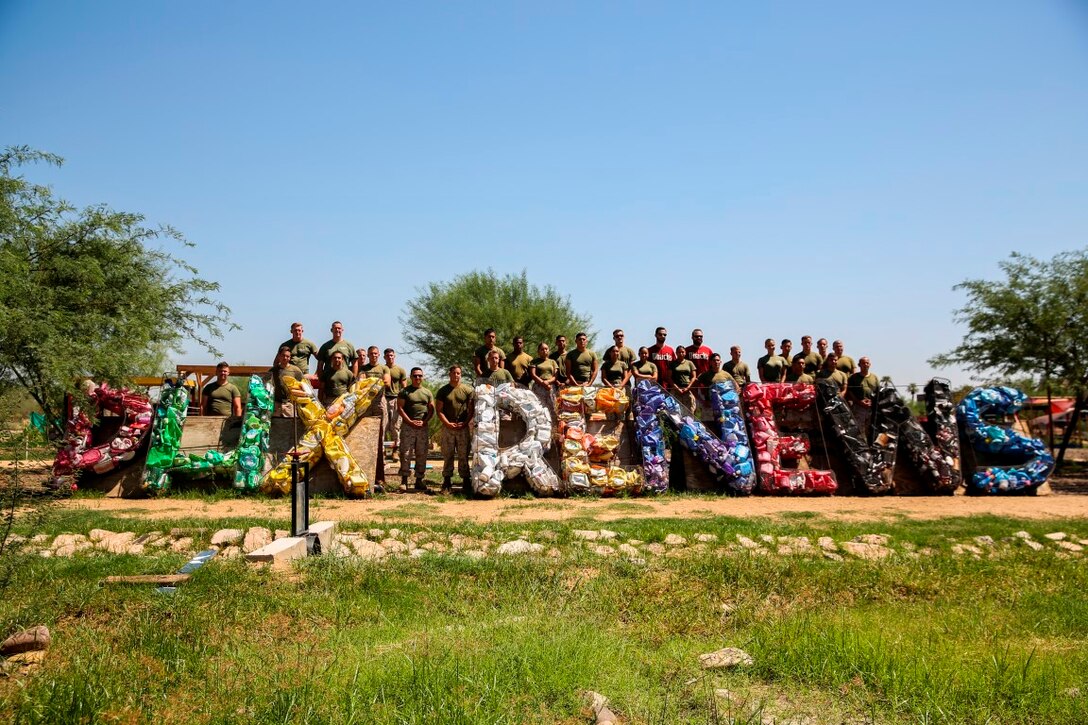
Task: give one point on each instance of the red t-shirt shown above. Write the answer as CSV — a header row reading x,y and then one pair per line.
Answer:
x,y
661,356
701,357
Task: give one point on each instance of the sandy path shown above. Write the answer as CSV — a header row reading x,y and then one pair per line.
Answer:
x,y
416,507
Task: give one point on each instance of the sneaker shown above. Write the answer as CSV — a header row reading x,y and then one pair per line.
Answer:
x,y
421,487
446,490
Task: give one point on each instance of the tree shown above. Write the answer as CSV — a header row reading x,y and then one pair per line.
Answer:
x,y
445,321
85,294
1034,323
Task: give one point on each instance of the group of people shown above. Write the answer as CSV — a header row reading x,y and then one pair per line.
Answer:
x,y
407,405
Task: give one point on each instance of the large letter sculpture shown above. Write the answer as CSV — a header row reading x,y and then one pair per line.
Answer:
x,y
325,431
1032,463
760,400
490,465
589,462
935,458
871,473
79,455
729,460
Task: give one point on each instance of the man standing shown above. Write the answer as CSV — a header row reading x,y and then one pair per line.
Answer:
x,y
301,348
480,357
222,397
796,373
496,375
519,362
560,357
846,363
627,355
374,369
337,343
787,349
282,368
662,356
771,367
453,402
737,367
821,349
698,353
416,408
398,378
336,379
812,359
830,370
861,388
682,377
581,363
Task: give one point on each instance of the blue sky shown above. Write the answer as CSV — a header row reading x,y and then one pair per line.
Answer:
x,y
755,169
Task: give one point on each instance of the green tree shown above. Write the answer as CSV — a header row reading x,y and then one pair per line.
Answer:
x,y
1033,323
89,293
445,320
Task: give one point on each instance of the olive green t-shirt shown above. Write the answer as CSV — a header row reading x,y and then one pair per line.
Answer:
x,y
860,386
416,401
644,368
281,391
682,372
714,376
627,355
455,401
377,370
560,365
335,383
324,353
739,371
301,352
481,355
846,364
613,372
581,364
545,368
801,377
398,378
836,375
218,398
813,361
499,376
773,367
519,367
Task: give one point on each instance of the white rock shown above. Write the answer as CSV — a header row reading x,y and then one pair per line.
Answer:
x,y
706,538
747,543
874,539
1070,546
40,538
182,545
635,542
1022,535
865,550
231,552
395,533
518,546
728,657
394,547
984,540
416,553
766,538
226,537
675,540
118,543
604,550
68,540
280,534
255,538
585,534
606,534
628,550
833,556
655,548
1034,545
827,543
376,533
474,554
97,535
368,550
1056,536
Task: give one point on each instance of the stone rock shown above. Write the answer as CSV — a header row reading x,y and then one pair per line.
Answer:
x,y
907,546
585,535
182,545
368,550
1069,546
1056,536
874,539
460,541
135,549
435,546
547,535
118,543
376,533
554,553
231,552
747,543
39,538
255,538
148,537
395,533
393,546
226,537
833,556
28,640
45,553
675,540
68,540
1033,545
474,554
798,543
603,550
864,550
766,538
340,550
728,657
655,548
22,659
606,534
419,537
706,538
416,553
984,540
518,546
961,549
1022,535
827,543
280,534
635,542
628,550
97,535
784,550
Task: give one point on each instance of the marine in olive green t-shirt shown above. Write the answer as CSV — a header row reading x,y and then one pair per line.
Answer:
x,y
560,359
838,376
772,367
644,368
581,364
739,371
499,376
416,401
683,372
218,399
398,377
545,368
860,386
456,401
300,353
627,355
613,372
519,367
335,383
281,392
846,364
377,370
481,355
813,361
324,353
714,376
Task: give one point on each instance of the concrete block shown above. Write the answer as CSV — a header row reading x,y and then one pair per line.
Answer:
x,y
326,534
280,551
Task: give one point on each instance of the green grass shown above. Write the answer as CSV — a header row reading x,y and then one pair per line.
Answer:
x,y
446,639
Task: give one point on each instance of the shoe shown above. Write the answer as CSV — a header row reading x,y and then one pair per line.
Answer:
x,y
421,487
379,488
446,490
404,484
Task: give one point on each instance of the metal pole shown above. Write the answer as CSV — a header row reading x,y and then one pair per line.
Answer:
x,y
300,495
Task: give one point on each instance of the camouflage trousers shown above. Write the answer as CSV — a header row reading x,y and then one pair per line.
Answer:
x,y
413,444
454,444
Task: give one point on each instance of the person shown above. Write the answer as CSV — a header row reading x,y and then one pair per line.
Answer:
x,y
398,378
698,353
543,371
771,367
614,372
560,357
496,374
716,374
479,358
662,355
830,370
282,367
796,373
861,389
846,363
813,360
519,362
324,353
336,379
415,404
644,369
581,363
737,367
454,404
787,349
222,397
682,378
374,369
301,348
627,355
821,349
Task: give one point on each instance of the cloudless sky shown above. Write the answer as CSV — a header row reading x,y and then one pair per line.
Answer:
x,y
754,169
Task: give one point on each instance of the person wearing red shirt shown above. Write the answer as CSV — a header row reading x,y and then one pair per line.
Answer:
x,y
662,356
699,353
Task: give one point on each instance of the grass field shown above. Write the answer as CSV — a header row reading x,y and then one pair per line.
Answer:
x,y
924,635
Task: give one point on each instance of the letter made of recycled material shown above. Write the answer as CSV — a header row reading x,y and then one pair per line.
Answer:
x,y
1026,463
869,472
589,462
729,460
170,413
79,455
492,465
771,447
935,453
326,427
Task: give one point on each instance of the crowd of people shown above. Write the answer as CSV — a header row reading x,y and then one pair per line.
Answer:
x,y
407,405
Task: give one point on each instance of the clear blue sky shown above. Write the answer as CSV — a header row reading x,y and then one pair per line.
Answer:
x,y
755,169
